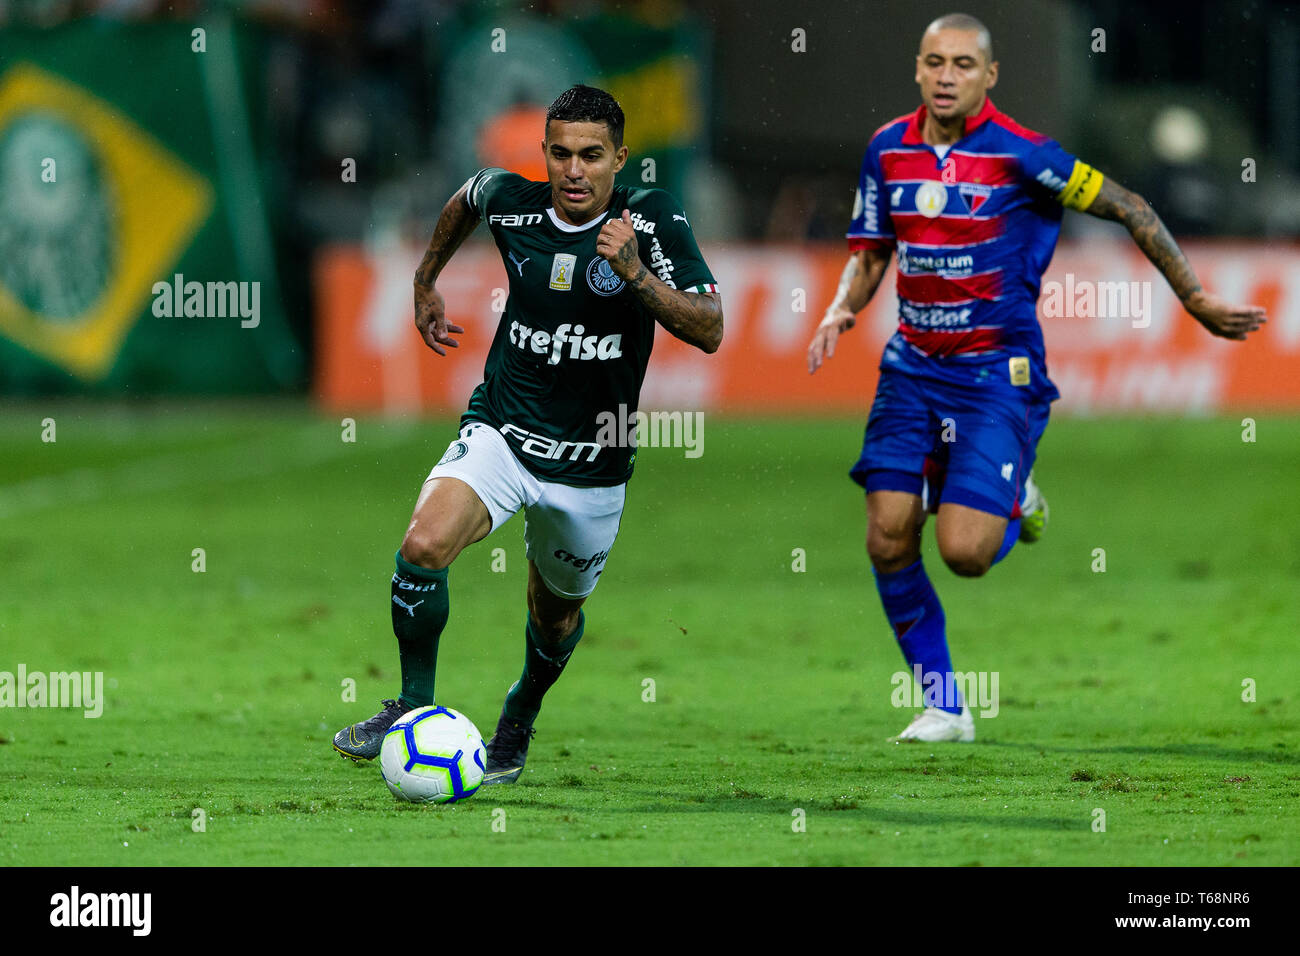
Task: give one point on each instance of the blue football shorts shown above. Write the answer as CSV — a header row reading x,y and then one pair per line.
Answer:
x,y
985,438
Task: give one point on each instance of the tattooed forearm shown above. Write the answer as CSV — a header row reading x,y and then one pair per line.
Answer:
x,y
454,226
628,260
1116,203
693,317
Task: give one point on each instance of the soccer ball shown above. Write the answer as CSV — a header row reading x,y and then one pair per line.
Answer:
x,y
433,755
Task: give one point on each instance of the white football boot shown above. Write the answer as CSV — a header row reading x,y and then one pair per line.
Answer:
x,y
933,725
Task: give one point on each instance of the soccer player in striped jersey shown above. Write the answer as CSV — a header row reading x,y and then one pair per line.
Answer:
x,y
972,202
593,268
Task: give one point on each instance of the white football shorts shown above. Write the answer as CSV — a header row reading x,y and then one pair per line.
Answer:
x,y
568,531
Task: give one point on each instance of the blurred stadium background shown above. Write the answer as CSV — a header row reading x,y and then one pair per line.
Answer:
x,y
232,164
182,440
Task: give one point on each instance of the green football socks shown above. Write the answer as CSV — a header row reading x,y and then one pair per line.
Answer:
x,y
543,664
420,607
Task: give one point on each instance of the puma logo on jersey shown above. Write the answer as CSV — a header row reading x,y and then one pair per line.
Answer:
x,y
682,218
518,263
408,608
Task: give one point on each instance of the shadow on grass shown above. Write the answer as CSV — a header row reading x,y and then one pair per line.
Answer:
x,y
781,806
1201,751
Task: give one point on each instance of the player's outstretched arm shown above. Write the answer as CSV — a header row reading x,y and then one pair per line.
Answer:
x,y
454,226
694,317
858,283
1220,317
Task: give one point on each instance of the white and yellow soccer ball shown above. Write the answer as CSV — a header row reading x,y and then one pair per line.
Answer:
x,y
433,755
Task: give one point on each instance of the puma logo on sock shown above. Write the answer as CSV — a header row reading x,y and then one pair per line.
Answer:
x,y
409,608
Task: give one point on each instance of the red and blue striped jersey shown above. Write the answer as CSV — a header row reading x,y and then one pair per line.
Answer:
x,y
974,230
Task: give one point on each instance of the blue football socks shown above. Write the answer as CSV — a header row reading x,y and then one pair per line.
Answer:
x,y
917,617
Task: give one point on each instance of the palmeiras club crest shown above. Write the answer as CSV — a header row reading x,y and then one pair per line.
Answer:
x,y
456,451
601,278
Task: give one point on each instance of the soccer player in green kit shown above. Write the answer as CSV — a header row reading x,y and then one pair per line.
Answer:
x,y
592,267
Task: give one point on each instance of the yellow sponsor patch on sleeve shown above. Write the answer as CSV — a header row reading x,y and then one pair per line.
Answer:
x,y
1085,182
1019,370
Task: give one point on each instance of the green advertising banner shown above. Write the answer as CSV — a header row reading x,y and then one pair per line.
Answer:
x,y
135,255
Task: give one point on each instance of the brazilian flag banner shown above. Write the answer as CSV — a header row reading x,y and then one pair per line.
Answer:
x,y
127,174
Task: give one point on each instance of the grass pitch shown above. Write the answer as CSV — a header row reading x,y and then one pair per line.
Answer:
x,y
1119,691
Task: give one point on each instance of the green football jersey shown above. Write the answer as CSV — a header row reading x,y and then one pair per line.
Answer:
x,y
572,347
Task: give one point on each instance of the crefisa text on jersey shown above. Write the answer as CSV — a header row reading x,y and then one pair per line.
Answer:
x,y
660,264
581,347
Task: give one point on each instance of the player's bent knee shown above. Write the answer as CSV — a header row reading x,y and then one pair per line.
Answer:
x,y
892,551
966,562
968,568
428,549
884,552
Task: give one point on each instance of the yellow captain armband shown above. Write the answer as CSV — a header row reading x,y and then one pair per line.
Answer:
x,y
1085,182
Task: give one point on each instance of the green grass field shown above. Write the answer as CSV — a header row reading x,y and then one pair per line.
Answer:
x,y
1119,691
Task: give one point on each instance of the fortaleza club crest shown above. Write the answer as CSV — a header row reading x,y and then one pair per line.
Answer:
x,y
974,195
601,278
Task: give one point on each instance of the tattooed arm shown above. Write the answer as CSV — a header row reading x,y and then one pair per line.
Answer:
x,y
694,317
1221,318
858,283
454,226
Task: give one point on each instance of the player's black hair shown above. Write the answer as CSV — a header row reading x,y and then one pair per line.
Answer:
x,y
586,104
969,24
